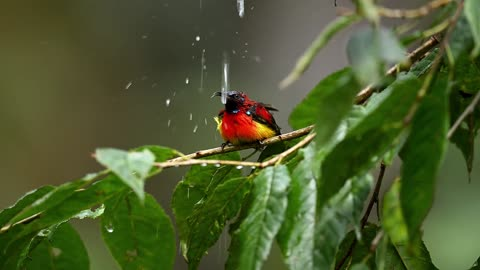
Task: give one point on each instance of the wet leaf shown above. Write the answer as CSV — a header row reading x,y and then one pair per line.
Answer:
x,y
253,238
361,249
139,234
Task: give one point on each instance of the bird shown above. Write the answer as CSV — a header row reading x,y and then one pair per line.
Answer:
x,y
244,121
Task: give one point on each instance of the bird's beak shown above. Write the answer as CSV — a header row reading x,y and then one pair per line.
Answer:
x,y
216,94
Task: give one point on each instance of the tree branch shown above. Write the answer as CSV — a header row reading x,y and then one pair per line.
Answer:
x,y
468,110
412,13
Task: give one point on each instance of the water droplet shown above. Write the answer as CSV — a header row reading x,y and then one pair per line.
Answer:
x,y
174,93
56,251
252,8
206,123
217,165
241,8
234,52
167,102
239,167
203,164
253,167
197,38
195,129
246,51
128,85
109,227
154,84
191,116
187,80
144,36
246,43
169,122
193,44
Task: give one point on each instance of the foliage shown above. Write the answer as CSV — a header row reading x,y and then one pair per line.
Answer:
x,y
311,199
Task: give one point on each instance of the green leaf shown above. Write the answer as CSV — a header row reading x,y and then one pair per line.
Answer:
x,y
131,167
471,10
296,236
50,200
369,10
398,257
7,214
63,249
81,200
138,234
370,50
423,66
422,155
161,153
367,141
322,39
360,266
342,211
318,103
252,240
211,214
461,40
393,221
361,249
199,183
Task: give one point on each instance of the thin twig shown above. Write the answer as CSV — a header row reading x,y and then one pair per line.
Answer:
x,y
412,57
465,113
412,13
178,162
376,241
363,222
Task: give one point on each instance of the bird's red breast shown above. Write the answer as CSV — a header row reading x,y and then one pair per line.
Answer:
x,y
244,120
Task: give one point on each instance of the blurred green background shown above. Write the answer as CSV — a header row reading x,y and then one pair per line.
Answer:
x,y
77,75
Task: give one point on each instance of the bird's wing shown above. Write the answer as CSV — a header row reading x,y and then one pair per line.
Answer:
x,y
261,114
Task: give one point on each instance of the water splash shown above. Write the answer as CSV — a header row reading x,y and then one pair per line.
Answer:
x,y
225,79
241,8
128,85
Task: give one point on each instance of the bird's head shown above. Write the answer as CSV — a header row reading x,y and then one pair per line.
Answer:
x,y
235,100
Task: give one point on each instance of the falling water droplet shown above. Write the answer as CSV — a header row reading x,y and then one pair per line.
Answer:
x,y
206,123
167,102
197,38
195,129
217,165
239,167
246,43
128,85
241,8
169,122
144,36
191,116
187,80
203,164
253,167
225,78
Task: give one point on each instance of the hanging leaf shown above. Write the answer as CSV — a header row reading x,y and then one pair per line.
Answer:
x,y
252,240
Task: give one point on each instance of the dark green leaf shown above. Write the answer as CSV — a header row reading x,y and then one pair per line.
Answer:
x,y
272,150
393,221
296,236
359,266
367,142
252,240
316,108
161,153
399,257
198,184
461,40
8,213
131,167
63,249
342,211
472,11
139,235
369,50
422,155
210,216
361,249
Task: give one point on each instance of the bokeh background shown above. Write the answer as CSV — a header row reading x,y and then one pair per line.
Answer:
x,y
77,75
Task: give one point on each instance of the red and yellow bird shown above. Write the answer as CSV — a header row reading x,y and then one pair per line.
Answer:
x,y
244,120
